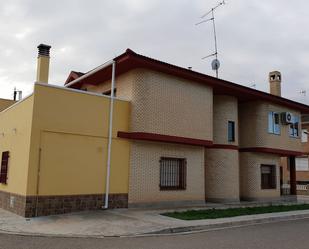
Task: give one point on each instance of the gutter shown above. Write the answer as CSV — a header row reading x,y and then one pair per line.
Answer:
x,y
106,64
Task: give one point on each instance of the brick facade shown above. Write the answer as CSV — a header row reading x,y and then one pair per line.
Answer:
x,y
222,165
253,123
123,84
225,109
222,175
167,105
13,203
250,176
31,206
145,173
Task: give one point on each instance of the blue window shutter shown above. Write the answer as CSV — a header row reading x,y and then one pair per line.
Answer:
x,y
270,122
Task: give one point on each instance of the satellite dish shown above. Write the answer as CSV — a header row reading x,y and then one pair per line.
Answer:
x,y
215,64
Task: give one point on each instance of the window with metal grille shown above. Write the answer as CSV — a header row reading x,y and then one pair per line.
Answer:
x,y
173,173
4,167
268,177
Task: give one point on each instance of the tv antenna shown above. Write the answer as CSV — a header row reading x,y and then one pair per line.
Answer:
x,y
215,64
303,92
17,93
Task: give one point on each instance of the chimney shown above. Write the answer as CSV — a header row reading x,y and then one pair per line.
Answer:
x,y
275,83
43,63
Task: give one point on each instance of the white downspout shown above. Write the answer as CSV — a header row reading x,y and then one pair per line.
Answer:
x,y
110,136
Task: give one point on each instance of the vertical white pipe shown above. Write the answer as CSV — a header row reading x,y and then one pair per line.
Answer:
x,y
110,135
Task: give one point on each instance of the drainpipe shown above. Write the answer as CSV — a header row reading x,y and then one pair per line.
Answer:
x,y
110,135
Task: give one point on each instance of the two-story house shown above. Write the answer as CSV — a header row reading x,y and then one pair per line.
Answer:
x,y
166,136
238,133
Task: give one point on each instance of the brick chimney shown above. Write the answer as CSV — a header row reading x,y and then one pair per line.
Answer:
x,y
43,63
275,83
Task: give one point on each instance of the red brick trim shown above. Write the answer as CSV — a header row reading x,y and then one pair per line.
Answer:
x,y
199,142
272,151
73,76
164,138
224,146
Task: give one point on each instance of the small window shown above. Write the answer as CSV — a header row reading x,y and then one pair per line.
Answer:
x,y
231,131
301,164
294,127
268,177
172,173
108,92
274,123
4,167
304,135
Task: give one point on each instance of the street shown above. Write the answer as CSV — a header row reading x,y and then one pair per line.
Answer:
x,y
283,235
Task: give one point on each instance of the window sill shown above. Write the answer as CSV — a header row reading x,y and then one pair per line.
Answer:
x,y
172,189
294,137
274,134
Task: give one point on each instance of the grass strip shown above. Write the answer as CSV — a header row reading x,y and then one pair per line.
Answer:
x,y
233,212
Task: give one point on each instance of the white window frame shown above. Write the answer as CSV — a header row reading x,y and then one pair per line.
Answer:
x,y
304,135
273,126
294,127
302,164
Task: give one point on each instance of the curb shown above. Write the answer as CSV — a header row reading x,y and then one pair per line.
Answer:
x,y
173,230
223,225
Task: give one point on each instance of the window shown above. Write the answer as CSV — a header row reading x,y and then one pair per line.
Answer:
x,y
301,164
274,123
268,177
231,131
294,127
108,92
4,167
304,135
172,173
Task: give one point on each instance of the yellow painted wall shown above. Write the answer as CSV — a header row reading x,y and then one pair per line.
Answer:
x,y
15,131
5,103
72,130
75,164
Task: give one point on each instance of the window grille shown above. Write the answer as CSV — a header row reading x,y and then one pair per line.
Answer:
x,y
172,173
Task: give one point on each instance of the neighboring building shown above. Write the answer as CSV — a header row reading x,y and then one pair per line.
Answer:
x,y
301,163
302,167
5,103
178,138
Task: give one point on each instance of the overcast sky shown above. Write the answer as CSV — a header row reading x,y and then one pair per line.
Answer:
x,y
254,37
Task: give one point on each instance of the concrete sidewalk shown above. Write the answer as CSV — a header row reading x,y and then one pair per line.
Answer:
x,y
129,222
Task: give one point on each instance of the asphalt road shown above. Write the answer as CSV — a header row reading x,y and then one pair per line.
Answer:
x,y
283,235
